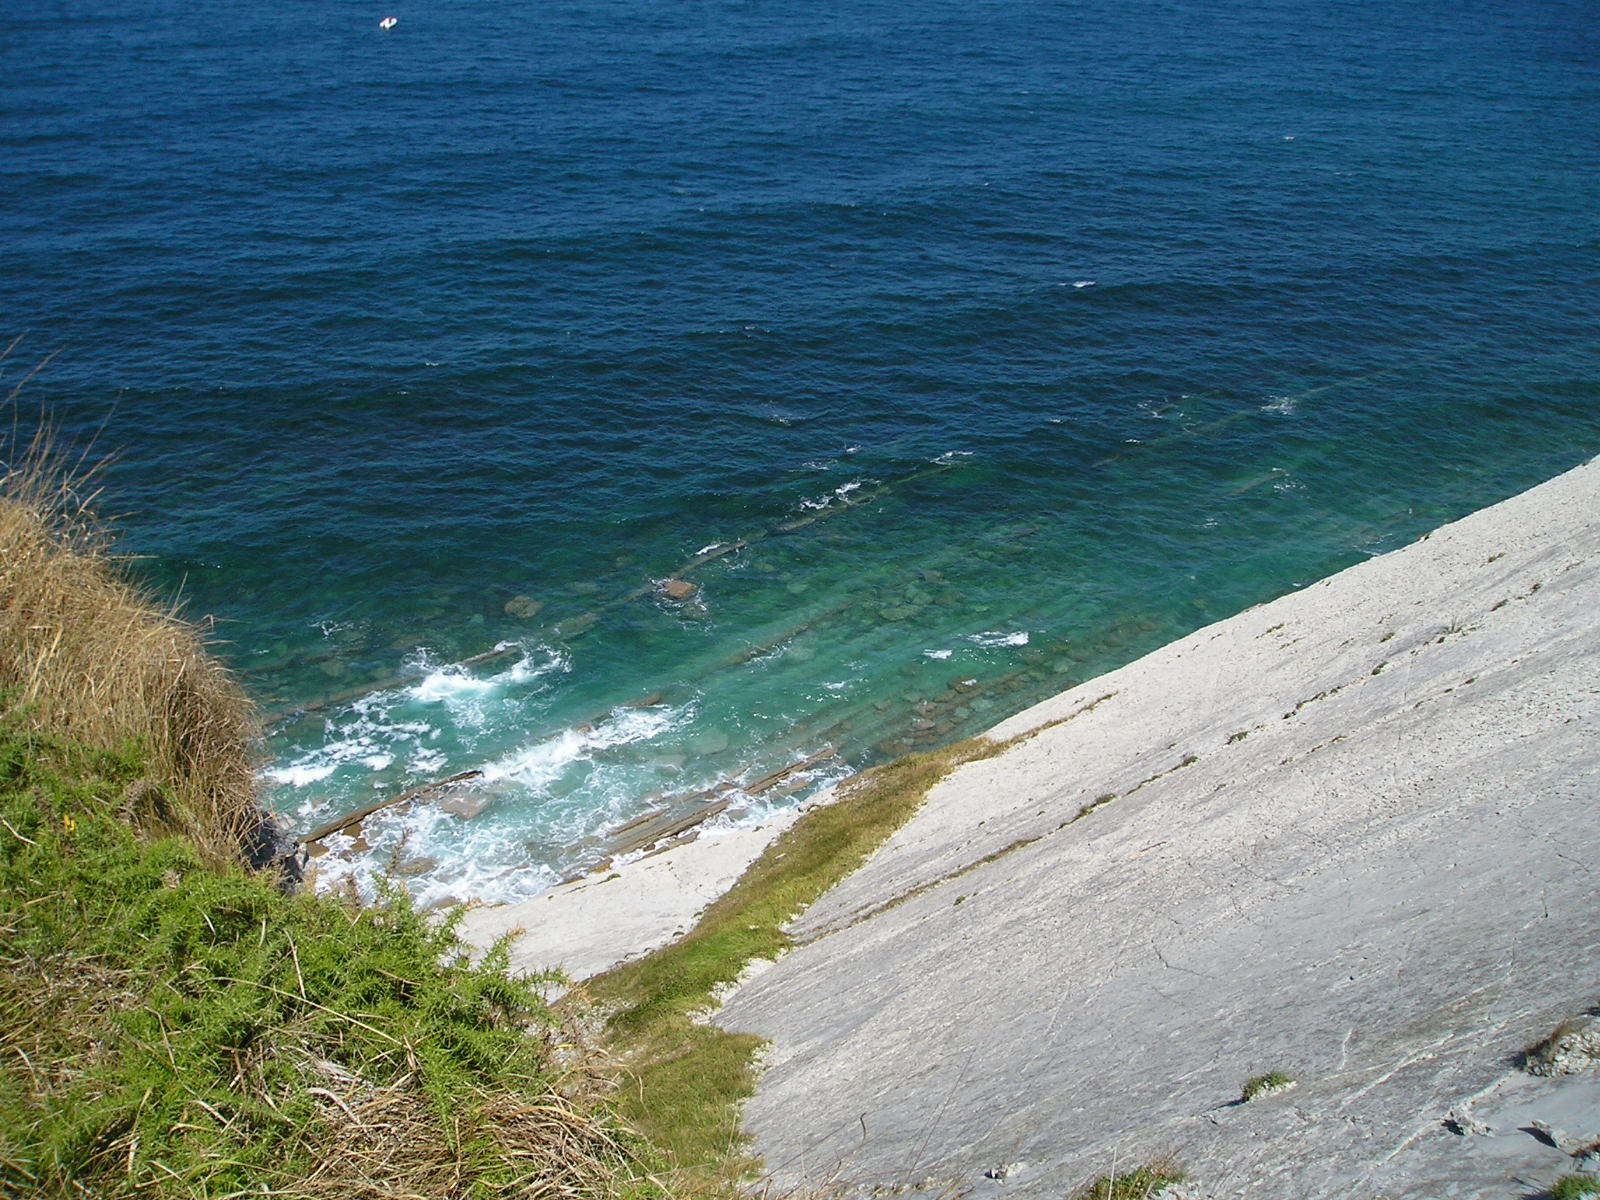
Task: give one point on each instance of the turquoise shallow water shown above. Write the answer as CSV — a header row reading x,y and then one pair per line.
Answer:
x,y
994,343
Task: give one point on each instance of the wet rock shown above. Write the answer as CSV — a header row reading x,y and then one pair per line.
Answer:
x,y
524,608
464,804
677,589
584,587
897,612
417,864
269,845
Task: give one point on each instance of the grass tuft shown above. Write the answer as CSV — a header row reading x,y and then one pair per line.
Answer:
x,y
1142,1182
1575,1185
1261,1085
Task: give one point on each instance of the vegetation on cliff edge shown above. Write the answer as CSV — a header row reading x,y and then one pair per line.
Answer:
x,y
172,1025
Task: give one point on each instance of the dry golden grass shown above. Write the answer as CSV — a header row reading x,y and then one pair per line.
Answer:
x,y
87,656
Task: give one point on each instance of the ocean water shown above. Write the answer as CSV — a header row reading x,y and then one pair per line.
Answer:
x,y
952,352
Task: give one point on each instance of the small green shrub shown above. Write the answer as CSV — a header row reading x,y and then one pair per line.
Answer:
x,y
175,1030
1261,1085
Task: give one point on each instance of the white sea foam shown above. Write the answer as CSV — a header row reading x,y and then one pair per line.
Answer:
x,y
543,762
939,654
995,638
449,683
950,457
300,774
1083,283
839,495
396,735
454,681
1281,405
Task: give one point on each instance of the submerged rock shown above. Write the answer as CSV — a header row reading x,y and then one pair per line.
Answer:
x,y
576,626
464,804
524,608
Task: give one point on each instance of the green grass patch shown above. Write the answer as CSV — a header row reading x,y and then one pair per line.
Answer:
x,y
687,1079
1261,1085
1148,1180
171,1029
1575,1185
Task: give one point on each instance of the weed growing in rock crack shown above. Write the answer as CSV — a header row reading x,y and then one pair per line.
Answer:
x,y
1138,1184
1569,1046
1260,1085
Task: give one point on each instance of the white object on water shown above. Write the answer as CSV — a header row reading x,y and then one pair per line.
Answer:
x,y
388,22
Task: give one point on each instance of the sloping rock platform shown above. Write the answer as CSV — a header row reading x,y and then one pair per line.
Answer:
x,y
1350,836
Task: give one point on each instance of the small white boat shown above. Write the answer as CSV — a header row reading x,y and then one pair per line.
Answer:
x,y
388,22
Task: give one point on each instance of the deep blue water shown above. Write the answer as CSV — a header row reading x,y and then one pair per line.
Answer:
x,y
1010,339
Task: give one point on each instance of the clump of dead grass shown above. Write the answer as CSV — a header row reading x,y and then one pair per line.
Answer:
x,y
87,656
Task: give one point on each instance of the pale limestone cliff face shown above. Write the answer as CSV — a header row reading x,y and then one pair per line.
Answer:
x,y
1354,838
